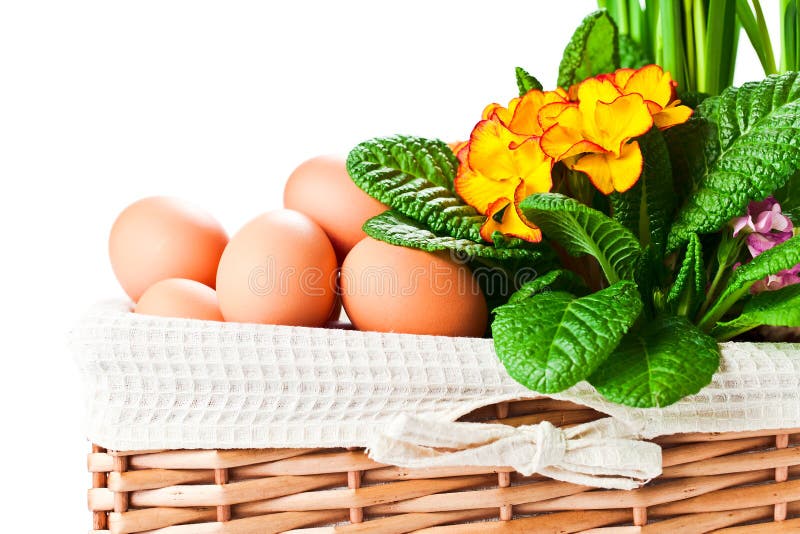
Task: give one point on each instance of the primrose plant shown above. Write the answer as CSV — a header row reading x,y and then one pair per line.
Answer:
x,y
659,225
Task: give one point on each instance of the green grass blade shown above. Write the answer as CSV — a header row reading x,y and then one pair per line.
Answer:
x,y
748,20
790,43
752,20
689,44
636,22
721,41
673,59
699,28
770,67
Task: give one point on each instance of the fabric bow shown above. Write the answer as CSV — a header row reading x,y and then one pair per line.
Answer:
x,y
604,453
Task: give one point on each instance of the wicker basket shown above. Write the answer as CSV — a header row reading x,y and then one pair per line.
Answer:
x,y
745,482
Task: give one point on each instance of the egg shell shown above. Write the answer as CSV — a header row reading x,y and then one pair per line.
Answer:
x,y
387,288
322,189
280,268
178,297
162,237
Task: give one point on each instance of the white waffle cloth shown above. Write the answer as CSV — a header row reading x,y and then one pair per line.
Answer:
x,y
159,383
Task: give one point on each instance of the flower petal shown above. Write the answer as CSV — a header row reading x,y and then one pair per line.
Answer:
x,y
490,151
535,166
758,243
621,77
618,121
672,115
526,113
592,92
511,222
609,173
763,222
740,223
479,191
652,83
567,132
598,90
457,146
548,114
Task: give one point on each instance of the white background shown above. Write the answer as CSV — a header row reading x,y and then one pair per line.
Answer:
x,y
104,102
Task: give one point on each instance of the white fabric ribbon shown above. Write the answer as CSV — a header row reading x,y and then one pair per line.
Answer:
x,y
604,453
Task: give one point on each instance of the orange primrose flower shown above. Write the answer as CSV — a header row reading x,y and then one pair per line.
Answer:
x,y
526,115
456,146
594,135
498,167
656,87
591,128
503,163
658,90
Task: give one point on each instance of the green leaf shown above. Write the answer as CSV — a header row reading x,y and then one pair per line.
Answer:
x,y
670,49
556,280
692,98
789,198
397,229
648,207
758,130
790,40
689,287
693,149
593,50
722,39
414,176
756,27
553,340
583,230
650,271
770,308
668,359
771,261
526,82
631,54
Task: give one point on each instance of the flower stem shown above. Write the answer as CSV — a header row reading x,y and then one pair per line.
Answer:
x,y
728,252
790,41
712,289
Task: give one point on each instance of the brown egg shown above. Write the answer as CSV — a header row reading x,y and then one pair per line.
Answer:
x,y
322,189
178,297
280,268
387,288
161,237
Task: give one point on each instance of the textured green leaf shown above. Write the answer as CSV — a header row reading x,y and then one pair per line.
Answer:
x,y
789,198
648,207
631,53
553,340
758,129
693,150
668,359
397,229
593,50
583,230
770,308
499,279
556,280
414,176
690,283
526,82
648,275
771,261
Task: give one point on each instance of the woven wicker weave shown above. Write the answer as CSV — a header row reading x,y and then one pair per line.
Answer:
x,y
745,482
